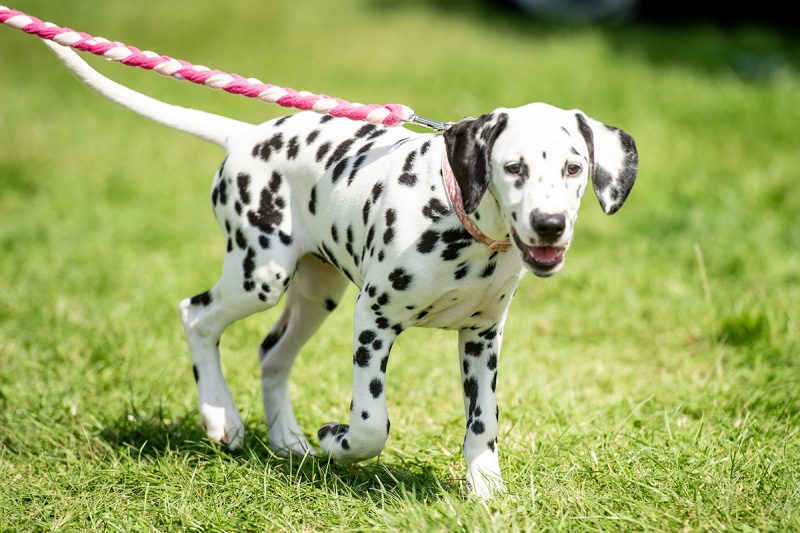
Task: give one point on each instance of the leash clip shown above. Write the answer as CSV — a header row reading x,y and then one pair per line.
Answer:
x,y
428,123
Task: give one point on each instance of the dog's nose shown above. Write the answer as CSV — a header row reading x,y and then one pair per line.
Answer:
x,y
548,226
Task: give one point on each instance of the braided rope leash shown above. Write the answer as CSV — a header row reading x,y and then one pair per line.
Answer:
x,y
387,115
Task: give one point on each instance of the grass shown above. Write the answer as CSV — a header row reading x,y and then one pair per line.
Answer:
x,y
652,385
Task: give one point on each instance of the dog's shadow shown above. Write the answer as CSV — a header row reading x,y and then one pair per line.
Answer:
x,y
145,436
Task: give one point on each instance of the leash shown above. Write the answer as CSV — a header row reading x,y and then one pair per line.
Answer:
x,y
379,114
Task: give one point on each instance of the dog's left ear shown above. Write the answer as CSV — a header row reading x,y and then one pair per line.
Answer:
x,y
469,149
614,161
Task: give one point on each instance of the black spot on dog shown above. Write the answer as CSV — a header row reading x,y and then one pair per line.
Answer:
x,y
573,150
388,235
364,415
338,170
491,364
375,387
473,348
272,338
471,392
465,366
223,191
281,120
362,357
265,149
249,264
384,362
380,256
367,336
383,299
325,118
345,444
330,305
243,182
322,150
400,279
461,272
434,209
388,425
427,241
241,242
490,445
339,152
377,344
488,270
365,130
196,375
356,165
269,214
237,206
398,329
312,136
424,148
312,201
372,291
263,241
214,196
382,322
377,190
249,285
285,239
365,211
494,381
370,236
421,315
230,245
292,148
204,299
377,133
489,333
323,432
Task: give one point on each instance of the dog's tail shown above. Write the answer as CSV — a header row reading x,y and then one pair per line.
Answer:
x,y
207,126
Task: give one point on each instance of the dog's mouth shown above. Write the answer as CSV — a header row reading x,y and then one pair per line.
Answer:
x,y
544,260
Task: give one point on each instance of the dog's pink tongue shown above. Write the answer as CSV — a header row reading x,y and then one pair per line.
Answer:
x,y
546,254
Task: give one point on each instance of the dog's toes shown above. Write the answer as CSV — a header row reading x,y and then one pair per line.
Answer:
x,y
223,425
333,440
484,485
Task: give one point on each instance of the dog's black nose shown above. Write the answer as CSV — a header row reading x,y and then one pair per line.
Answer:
x,y
548,226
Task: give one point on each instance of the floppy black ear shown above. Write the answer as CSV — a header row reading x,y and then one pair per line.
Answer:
x,y
469,149
614,161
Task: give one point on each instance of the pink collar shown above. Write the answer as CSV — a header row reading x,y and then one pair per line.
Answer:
x,y
454,194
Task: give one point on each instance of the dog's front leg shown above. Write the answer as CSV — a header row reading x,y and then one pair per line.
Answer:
x,y
369,418
480,350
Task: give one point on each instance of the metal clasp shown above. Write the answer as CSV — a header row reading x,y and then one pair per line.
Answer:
x,y
428,123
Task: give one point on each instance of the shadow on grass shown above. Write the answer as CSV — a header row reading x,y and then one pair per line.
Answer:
x,y
753,52
145,436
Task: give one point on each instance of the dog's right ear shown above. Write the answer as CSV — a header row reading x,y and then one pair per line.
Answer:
x,y
469,148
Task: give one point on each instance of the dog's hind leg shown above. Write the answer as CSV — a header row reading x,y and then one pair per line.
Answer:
x,y
315,290
243,289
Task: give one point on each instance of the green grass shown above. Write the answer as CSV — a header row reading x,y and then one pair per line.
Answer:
x,y
652,385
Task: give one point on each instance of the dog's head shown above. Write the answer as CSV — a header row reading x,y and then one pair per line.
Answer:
x,y
535,161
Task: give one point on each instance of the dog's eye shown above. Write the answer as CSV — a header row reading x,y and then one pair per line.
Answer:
x,y
514,168
573,169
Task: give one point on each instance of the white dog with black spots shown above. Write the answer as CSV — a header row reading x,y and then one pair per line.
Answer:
x,y
308,203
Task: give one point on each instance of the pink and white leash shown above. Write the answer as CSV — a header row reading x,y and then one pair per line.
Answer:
x,y
386,115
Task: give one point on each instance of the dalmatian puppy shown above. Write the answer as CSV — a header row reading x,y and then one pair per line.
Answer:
x,y
309,203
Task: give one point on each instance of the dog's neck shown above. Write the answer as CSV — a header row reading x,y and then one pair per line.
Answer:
x,y
489,219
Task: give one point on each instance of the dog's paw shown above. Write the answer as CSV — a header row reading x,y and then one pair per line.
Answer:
x,y
484,485
285,446
223,424
333,440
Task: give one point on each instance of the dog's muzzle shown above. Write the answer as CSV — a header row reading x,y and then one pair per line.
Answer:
x,y
544,260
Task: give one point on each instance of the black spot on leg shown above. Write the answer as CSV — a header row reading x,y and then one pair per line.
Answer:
x,y
362,356
330,305
223,191
471,392
345,444
461,272
488,270
491,364
263,241
382,322
388,425
323,432
384,362
272,339
544,155
490,445
285,238
367,336
375,387
241,242
230,245
204,299
465,366
196,375
473,348
383,299
494,381
364,415
478,427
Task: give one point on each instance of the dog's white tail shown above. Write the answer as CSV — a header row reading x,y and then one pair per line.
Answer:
x,y
207,126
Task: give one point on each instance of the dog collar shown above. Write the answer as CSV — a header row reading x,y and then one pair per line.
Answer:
x,y
454,195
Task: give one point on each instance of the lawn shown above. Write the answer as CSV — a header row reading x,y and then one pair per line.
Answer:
x,y
654,384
